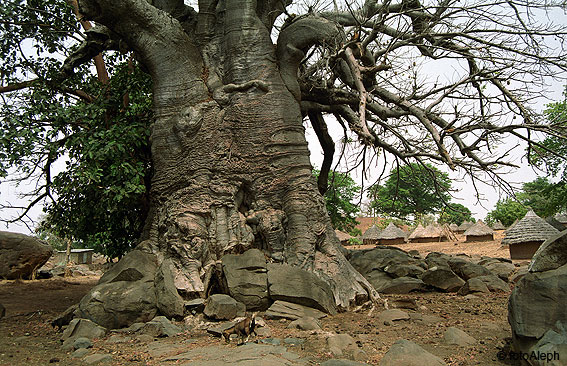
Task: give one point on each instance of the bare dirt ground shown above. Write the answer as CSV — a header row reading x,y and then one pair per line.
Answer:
x,y
26,338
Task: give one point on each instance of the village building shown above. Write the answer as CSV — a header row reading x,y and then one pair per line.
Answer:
x,y
428,235
392,235
498,226
370,236
77,256
464,226
526,236
343,237
479,232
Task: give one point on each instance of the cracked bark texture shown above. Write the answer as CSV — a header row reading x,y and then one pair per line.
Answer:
x,y
232,168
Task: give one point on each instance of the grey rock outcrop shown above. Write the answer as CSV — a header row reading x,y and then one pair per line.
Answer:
x,y
295,285
247,278
407,353
81,328
458,337
473,285
125,294
442,278
223,307
168,300
288,310
552,254
21,255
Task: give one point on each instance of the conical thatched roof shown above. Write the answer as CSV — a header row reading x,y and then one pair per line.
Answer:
x,y
430,232
454,227
530,228
498,226
372,233
465,225
479,229
392,232
416,232
342,236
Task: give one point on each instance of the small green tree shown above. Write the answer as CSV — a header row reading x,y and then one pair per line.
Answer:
x,y
455,213
412,190
544,197
506,211
339,197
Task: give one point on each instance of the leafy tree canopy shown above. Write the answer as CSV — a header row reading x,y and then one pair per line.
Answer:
x,y
455,213
544,197
341,192
95,124
506,211
412,190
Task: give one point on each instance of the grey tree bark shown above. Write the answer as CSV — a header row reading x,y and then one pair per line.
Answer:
x,y
232,168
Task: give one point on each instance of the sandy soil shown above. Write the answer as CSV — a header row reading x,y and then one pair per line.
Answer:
x,y
26,338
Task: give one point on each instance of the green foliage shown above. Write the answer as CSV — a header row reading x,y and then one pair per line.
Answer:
x,y
100,132
354,241
455,213
411,190
506,211
544,197
341,192
551,155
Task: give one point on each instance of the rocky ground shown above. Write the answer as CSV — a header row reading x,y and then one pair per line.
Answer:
x,y
27,338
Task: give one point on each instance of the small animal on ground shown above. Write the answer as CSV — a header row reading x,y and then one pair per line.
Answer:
x,y
243,328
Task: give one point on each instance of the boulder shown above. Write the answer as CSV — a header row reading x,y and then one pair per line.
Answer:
x,y
160,327
436,259
457,336
467,270
339,343
288,310
119,304
378,279
553,344
501,269
404,270
472,286
81,328
494,283
365,261
392,315
407,353
82,342
305,323
97,358
168,301
223,307
298,286
402,285
442,278
552,254
247,278
21,255
136,265
537,305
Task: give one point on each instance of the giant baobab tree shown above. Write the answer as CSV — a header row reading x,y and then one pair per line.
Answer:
x,y
440,82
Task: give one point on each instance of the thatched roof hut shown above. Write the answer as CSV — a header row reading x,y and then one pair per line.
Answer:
x,y
527,235
479,232
343,237
454,227
464,226
498,226
415,232
370,236
429,234
392,235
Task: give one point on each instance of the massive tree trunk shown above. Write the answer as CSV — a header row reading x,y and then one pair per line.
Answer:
x,y
232,168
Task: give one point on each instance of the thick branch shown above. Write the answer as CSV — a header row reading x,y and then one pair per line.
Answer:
x,y
294,41
320,127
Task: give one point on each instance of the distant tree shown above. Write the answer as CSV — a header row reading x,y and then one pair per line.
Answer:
x,y
549,153
506,211
544,197
339,196
412,190
455,213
